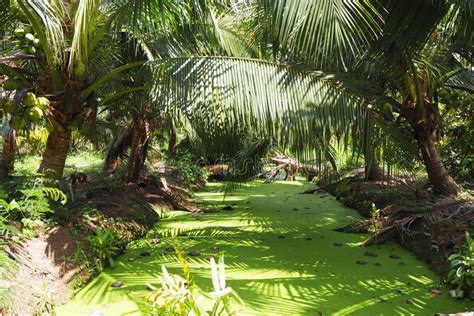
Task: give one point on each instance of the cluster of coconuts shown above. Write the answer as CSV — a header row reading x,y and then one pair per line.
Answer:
x,y
26,40
30,110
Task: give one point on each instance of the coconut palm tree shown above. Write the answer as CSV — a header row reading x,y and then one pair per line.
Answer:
x,y
296,40
72,45
407,83
8,150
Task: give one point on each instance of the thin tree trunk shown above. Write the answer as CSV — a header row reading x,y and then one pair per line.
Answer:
x,y
54,157
136,160
172,143
373,172
439,177
8,154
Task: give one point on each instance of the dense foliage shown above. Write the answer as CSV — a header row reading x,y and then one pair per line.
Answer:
x,y
185,86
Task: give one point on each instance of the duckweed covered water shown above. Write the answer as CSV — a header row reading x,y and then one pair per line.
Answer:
x,y
282,256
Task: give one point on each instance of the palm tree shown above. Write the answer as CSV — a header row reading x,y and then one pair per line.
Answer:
x,y
8,136
74,54
8,150
409,90
296,41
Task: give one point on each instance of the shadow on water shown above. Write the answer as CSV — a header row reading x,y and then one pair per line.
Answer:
x,y
282,257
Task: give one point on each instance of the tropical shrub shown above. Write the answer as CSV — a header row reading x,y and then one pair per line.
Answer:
x,y
33,201
105,245
187,168
461,272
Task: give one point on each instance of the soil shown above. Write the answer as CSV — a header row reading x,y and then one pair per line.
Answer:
x,y
44,276
58,259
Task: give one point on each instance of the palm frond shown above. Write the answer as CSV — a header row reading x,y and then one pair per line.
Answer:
x,y
117,150
47,19
247,92
86,17
326,33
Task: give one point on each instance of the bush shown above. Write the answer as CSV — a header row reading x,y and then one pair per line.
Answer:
x,y
187,169
461,272
105,245
31,200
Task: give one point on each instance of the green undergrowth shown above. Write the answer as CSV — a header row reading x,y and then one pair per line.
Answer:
x,y
313,270
88,162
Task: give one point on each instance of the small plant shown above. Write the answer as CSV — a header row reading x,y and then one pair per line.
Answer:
x,y
32,202
105,245
225,298
179,296
8,269
343,188
27,224
175,297
376,216
461,272
45,302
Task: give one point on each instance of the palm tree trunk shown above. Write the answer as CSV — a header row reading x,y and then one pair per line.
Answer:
x,y
54,157
439,177
141,128
373,172
172,143
8,154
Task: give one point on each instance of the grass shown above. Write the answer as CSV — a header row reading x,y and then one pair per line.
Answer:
x,y
275,276
88,162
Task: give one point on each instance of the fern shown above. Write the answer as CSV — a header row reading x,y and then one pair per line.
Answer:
x,y
55,194
7,273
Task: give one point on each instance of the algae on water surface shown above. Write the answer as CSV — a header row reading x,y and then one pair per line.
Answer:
x,y
282,256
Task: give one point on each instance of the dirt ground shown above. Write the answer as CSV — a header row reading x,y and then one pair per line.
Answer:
x,y
58,258
43,277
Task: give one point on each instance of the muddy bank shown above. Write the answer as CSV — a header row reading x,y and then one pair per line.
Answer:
x,y
431,227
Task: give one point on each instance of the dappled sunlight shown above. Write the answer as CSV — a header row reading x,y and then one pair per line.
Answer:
x,y
282,257
421,279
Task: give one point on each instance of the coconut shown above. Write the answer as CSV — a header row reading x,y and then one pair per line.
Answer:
x,y
387,107
29,99
28,29
42,103
8,107
19,32
11,84
34,114
17,123
29,37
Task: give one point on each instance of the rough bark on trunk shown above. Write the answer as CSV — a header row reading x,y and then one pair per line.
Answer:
x,y
137,152
373,171
65,110
8,154
54,157
439,177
